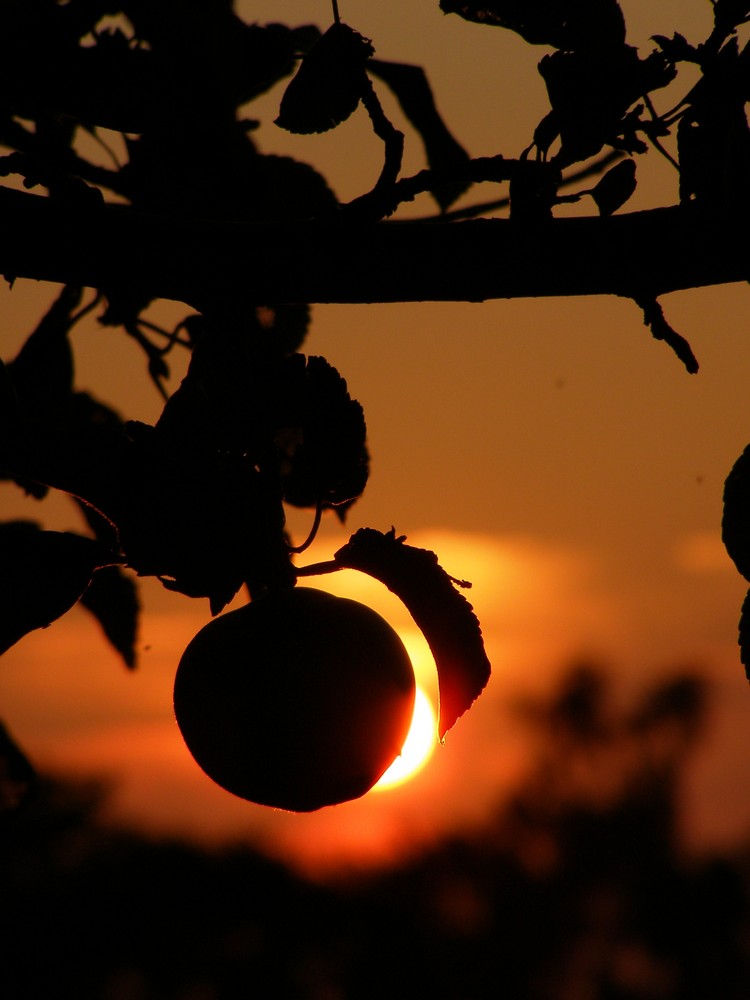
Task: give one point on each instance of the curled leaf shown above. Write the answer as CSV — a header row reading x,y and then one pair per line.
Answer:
x,y
442,613
328,85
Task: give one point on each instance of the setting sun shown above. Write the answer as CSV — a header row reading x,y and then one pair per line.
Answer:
x,y
418,747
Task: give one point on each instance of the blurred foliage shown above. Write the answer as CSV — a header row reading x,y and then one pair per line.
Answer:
x,y
577,887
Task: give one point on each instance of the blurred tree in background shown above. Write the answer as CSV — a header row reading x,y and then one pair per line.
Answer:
x,y
577,888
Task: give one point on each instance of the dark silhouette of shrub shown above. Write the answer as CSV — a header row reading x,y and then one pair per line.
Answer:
x,y
577,886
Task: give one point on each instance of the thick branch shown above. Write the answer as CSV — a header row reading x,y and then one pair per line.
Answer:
x,y
202,262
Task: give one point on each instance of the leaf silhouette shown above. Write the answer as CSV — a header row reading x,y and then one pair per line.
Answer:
x,y
713,137
292,415
443,614
42,575
564,24
112,599
615,187
735,523
321,436
677,48
735,533
743,637
201,518
42,371
328,84
591,92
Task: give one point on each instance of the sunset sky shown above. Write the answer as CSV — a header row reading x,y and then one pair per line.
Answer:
x,y
549,451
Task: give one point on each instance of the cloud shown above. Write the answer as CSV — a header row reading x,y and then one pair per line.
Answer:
x,y
540,607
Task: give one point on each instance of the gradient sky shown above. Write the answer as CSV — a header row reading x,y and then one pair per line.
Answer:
x,y
550,451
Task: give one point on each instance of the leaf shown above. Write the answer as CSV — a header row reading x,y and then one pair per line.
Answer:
x,y
413,92
42,371
202,519
574,24
676,48
443,614
39,383
546,132
713,137
17,776
735,523
293,413
320,436
592,91
615,187
265,54
112,598
42,575
328,84
735,533
729,14
744,635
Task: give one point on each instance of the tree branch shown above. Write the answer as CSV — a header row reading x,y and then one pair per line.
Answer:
x,y
202,262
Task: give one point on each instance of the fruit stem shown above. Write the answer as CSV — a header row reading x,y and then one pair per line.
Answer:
x,y
313,530
314,569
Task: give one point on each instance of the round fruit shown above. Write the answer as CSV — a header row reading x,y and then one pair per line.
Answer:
x,y
298,700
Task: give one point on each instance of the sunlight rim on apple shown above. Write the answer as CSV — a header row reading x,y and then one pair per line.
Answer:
x,y
418,746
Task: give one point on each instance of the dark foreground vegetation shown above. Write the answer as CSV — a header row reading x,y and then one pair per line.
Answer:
x,y
577,889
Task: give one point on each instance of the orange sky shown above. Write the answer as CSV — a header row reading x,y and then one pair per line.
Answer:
x,y
548,450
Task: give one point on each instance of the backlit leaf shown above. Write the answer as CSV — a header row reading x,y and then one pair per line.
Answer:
x,y
442,613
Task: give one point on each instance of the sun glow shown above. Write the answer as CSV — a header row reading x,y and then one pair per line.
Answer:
x,y
418,747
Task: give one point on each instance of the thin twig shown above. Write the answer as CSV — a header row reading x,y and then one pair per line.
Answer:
x,y
318,569
474,169
375,204
313,531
